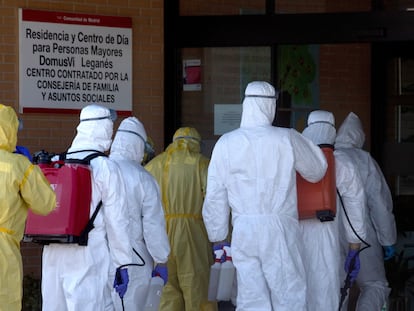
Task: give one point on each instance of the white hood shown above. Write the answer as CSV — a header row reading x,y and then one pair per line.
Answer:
x,y
259,104
130,140
321,127
94,130
350,133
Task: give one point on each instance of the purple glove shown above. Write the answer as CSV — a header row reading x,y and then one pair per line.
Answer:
x,y
220,245
24,151
352,264
389,252
161,271
121,282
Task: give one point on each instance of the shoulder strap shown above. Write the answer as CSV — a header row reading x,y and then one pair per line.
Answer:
x,y
83,237
95,212
85,160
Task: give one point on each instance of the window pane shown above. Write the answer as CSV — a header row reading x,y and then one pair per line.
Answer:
x,y
298,74
321,6
398,5
335,77
222,7
214,82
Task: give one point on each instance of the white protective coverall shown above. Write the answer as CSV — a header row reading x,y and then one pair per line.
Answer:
x,y
252,174
146,229
324,261
22,187
381,227
74,277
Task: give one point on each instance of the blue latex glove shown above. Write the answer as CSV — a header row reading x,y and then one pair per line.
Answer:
x,y
24,151
389,252
352,264
161,270
121,281
220,245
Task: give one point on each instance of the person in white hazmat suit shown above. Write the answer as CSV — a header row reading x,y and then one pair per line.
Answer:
x,y
324,261
252,175
75,277
146,229
381,227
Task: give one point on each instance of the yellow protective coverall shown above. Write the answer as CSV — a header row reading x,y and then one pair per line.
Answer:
x,y
22,186
181,172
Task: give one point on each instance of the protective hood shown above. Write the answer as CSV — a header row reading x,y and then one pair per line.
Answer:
x,y
130,140
9,124
94,130
259,104
350,133
321,127
186,138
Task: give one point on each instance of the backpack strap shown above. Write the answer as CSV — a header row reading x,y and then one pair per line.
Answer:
x,y
85,160
83,237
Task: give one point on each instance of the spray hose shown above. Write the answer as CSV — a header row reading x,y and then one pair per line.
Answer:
x,y
347,282
117,273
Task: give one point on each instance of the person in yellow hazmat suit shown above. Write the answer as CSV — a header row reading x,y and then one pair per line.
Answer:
x,y
149,152
23,187
181,172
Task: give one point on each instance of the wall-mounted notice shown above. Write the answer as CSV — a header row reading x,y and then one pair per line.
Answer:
x,y
227,117
70,60
192,75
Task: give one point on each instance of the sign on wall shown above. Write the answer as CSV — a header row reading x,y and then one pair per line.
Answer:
x,y
227,118
192,75
70,60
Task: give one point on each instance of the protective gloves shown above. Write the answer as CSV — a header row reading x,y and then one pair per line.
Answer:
x,y
389,252
218,246
121,281
161,270
352,264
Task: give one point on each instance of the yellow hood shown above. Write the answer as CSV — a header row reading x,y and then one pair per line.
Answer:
x,y
9,124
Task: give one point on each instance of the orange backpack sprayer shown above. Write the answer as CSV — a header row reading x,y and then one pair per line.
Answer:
x,y
318,200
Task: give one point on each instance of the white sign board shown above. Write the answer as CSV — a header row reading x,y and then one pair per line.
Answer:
x,y
227,117
70,60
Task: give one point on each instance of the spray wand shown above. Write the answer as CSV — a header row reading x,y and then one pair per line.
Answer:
x,y
347,282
